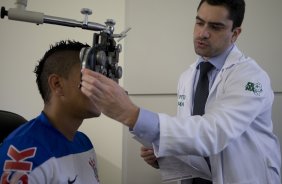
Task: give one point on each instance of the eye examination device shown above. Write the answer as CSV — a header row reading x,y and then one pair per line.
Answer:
x,y
102,57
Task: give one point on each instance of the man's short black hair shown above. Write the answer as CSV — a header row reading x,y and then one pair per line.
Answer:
x,y
236,9
60,65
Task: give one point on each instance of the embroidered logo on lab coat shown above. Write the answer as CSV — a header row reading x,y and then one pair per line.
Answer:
x,y
256,88
181,99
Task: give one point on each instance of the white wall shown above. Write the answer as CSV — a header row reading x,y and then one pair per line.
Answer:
x,y
23,44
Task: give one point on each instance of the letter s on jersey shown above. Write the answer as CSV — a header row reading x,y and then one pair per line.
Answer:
x,y
17,168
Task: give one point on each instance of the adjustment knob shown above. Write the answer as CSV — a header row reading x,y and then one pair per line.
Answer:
x,y
101,58
3,12
110,24
118,73
86,12
119,48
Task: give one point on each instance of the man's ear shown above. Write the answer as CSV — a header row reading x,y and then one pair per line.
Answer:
x,y
55,84
236,33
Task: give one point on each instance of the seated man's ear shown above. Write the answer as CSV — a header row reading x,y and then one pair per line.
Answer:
x,y
55,84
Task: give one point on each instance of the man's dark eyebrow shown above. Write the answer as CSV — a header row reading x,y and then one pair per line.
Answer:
x,y
198,18
211,23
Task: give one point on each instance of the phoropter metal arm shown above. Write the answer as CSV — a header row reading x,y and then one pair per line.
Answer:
x,y
39,18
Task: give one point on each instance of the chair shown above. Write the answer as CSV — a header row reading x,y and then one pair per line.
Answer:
x,y
8,122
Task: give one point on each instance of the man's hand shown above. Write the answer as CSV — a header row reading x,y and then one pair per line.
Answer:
x,y
148,155
112,99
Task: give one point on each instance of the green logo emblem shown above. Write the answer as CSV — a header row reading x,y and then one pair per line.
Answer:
x,y
256,88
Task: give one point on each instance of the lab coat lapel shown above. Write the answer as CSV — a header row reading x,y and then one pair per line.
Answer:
x,y
232,59
190,88
185,92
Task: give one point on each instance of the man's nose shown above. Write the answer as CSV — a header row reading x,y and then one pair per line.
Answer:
x,y
204,32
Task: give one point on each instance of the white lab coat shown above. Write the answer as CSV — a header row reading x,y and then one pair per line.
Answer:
x,y
236,130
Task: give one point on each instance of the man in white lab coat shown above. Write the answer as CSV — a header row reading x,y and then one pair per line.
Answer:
x,y
235,132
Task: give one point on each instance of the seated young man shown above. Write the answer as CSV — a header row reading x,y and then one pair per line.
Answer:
x,y
50,149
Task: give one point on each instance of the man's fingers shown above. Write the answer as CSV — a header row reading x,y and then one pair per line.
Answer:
x,y
96,75
92,85
147,153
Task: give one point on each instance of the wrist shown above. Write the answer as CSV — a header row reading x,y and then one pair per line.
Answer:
x,y
133,114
